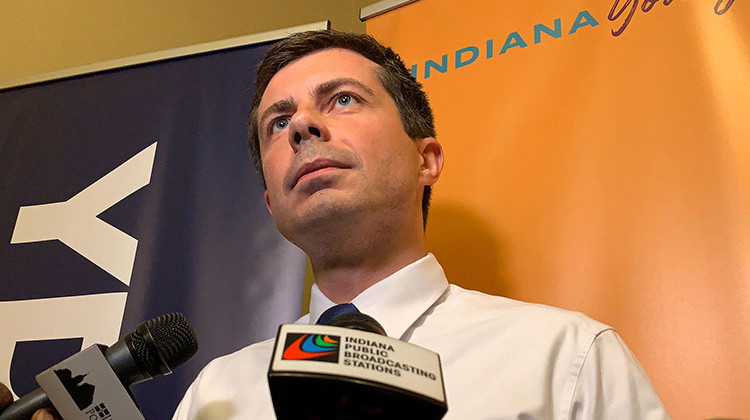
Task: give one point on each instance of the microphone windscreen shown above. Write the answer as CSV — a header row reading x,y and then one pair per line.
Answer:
x,y
163,343
358,321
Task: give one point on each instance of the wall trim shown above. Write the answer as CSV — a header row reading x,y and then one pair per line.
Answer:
x,y
163,55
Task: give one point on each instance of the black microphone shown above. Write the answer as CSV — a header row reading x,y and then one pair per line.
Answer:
x,y
350,369
155,348
358,321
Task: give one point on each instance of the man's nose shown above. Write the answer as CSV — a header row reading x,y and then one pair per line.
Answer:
x,y
306,125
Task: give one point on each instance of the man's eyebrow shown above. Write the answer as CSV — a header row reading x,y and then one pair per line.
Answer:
x,y
283,106
331,85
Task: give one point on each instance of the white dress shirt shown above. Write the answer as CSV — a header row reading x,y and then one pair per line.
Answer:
x,y
501,358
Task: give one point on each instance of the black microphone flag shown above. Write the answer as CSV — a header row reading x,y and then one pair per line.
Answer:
x,y
322,371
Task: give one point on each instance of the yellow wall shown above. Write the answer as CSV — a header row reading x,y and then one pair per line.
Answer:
x,y
45,36
607,175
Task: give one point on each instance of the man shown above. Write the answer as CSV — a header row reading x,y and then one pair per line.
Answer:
x,y
344,140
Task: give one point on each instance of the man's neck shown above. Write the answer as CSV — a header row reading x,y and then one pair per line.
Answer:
x,y
342,279
352,253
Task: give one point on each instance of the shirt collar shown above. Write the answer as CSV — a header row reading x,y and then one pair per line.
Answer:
x,y
397,300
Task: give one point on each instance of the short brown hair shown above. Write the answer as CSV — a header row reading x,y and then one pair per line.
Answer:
x,y
411,101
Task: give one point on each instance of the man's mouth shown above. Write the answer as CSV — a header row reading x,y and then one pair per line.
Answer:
x,y
318,166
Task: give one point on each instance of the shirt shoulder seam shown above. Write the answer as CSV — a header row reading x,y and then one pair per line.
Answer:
x,y
580,369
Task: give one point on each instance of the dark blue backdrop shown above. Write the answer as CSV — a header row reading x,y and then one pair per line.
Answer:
x,y
206,244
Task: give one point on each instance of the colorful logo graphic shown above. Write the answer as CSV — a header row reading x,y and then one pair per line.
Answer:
x,y
323,348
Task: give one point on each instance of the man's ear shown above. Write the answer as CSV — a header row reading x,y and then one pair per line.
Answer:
x,y
431,160
268,202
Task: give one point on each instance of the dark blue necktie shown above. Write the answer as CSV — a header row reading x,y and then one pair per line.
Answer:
x,y
336,311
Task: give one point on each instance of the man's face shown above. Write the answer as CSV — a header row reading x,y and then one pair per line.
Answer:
x,y
333,146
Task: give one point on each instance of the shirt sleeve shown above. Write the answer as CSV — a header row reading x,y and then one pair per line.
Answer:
x,y
190,406
184,408
613,385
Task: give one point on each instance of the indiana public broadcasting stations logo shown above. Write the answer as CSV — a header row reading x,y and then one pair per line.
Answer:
x,y
319,347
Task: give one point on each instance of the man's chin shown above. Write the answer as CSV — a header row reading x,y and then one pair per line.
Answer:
x,y
320,182
321,213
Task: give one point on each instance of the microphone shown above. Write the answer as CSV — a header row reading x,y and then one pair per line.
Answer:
x,y
350,369
155,348
358,321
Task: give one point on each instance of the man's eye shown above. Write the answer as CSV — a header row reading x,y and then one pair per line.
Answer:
x,y
279,124
344,100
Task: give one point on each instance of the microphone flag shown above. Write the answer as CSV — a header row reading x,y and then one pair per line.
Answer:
x,y
84,386
326,371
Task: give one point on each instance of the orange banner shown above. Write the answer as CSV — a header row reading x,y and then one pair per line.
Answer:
x,y
598,159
